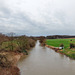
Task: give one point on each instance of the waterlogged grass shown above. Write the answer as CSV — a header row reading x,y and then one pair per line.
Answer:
x,y
67,51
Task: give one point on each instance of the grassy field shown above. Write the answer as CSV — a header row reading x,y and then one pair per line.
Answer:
x,y
67,51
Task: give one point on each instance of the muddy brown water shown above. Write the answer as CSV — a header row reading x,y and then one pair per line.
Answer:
x,y
45,61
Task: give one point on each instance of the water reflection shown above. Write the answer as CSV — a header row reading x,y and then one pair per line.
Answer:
x,y
44,61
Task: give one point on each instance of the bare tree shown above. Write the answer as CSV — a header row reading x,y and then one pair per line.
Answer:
x,y
11,39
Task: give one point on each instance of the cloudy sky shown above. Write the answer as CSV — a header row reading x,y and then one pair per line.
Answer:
x,y
37,17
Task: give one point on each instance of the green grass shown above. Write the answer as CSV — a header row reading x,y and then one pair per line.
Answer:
x,y
57,42
67,51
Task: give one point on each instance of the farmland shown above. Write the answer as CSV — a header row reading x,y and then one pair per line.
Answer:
x,y
66,42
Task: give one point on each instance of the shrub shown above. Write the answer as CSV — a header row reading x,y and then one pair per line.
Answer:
x,y
70,40
33,38
72,45
42,40
25,43
31,42
18,44
22,43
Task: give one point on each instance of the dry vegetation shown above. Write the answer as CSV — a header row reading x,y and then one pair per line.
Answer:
x,y
11,49
42,40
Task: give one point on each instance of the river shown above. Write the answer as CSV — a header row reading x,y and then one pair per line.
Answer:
x,y
45,61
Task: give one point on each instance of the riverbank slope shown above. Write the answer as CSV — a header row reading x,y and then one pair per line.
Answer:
x,y
11,68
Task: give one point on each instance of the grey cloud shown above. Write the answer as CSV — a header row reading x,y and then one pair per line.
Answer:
x,y
22,23
19,22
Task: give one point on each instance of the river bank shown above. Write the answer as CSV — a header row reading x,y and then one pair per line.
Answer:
x,y
56,49
59,51
13,58
44,61
67,50
12,48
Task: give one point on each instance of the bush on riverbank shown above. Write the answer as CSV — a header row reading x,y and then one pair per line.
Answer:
x,y
24,43
11,49
72,45
18,44
42,40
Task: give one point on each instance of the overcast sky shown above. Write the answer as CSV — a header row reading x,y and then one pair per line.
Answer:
x,y
37,17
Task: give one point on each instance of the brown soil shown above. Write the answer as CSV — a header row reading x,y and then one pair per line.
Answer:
x,y
13,58
9,71
55,49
